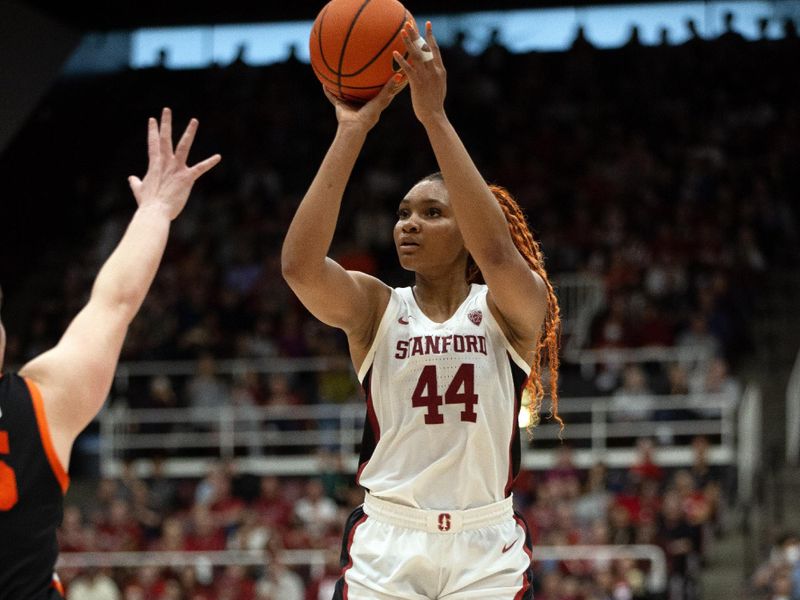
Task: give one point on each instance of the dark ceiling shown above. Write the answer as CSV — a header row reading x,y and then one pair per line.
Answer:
x,y
130,14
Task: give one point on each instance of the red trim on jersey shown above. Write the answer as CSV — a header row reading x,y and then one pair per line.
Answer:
x,y
44,434
58,585
349,546
514,427
376,429
4,446
526,583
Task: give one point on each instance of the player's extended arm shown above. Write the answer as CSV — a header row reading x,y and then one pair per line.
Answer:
x,y
75,376
518,292
344,299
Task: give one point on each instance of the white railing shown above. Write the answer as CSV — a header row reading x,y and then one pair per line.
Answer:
x,y
749,451
315,559
793,415
284,440
580,296
623,356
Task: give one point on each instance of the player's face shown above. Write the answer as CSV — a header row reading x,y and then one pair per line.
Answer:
x,y
426,234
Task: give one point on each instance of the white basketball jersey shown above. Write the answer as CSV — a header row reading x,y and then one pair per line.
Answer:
x,y
442,404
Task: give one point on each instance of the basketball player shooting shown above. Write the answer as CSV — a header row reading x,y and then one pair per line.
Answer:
x,y
443,363
55,395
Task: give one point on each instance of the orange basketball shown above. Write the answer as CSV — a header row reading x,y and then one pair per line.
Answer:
x,y
352,43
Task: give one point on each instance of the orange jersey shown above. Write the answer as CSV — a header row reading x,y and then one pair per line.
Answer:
x,y
32,485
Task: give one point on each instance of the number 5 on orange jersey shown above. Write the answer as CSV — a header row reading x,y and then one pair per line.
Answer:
x,y
8,479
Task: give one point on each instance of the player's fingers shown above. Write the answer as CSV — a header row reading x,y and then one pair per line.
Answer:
x,y
333,99
405,67
418,50
411,31
185,143
152,139
390,89
135,183
413,44
432,43
205,165
166,132
403,83
395,84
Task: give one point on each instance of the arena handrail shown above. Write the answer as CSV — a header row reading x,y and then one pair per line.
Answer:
x,y
240,434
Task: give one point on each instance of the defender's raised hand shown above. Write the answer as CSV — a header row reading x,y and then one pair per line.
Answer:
x,y
168,180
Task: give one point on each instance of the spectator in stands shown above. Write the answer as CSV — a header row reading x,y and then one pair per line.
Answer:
x,y
252,534
621,529
633,401
234,584
315,511
173,536
120,532
93,585
322,587
592,505
205,390
205,533
678,539
215,492
272,507
698,338
144,513
645,466
714,380
279,581
778,578
163,490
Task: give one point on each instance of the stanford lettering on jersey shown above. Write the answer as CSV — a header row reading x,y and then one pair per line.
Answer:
x,y
440,344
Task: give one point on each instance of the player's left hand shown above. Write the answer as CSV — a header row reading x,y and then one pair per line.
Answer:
x,y
425,71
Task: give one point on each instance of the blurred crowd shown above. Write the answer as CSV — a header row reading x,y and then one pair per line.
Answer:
x,y
665,171
678,510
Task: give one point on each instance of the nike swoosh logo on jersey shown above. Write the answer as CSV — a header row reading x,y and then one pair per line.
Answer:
x,y
507,547
402,321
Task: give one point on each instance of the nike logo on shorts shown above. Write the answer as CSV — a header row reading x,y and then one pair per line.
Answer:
x,y
507,547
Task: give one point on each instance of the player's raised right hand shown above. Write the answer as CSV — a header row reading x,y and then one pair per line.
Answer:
x,y
168,180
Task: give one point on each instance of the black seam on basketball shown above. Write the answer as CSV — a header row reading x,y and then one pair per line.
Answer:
x,y
319,40
350,87
385,46
346,39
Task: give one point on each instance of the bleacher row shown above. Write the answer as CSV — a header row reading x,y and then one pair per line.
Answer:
x,y
275,518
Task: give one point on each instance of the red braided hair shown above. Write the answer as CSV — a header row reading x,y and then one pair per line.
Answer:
x,y
547,346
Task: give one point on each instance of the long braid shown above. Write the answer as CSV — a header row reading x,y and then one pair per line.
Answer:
x,y
547,346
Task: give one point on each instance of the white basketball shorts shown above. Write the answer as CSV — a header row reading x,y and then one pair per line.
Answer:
x,y
393,552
